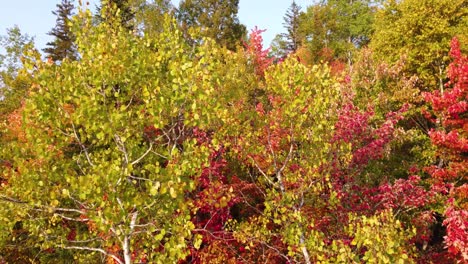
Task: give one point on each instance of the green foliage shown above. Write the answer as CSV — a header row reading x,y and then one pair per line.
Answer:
x,y
382,237
119,190
150,15
422,31
216,19
14,45
120,11
13,85
338,27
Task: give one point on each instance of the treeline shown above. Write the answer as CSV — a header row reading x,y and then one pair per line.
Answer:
x,y
150,133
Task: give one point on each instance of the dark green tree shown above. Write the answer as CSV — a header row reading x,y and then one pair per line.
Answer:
x,y
288,42
63,44
217,20
291,23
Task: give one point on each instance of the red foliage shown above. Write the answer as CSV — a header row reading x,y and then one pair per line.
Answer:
x,y
404,194
259,56
451,139
213,199
71,235
367,143
457,231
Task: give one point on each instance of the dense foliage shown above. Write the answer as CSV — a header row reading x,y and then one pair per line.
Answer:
x,y
168,145
217,20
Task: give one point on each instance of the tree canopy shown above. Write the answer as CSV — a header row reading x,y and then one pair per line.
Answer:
x,y
420,30
336,28
217,20
164,144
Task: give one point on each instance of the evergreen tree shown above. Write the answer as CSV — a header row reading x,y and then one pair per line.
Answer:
x,y
126,13
291,23
63,45
217,19
289,42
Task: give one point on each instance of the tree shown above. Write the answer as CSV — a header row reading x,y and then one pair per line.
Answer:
x,y
14,43
291,23
150,15
422,31
120,10
63,44
14,80
289,42
154,149
338,27
217,20
110,145
449,110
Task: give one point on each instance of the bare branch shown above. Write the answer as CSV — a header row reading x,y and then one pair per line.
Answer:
x,y
144,154
83,147
84,241
121,147
138,178
126,242
262,172
72,219
291,148
9,199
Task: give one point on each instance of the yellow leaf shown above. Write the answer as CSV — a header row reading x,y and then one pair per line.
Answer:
x,y
172,193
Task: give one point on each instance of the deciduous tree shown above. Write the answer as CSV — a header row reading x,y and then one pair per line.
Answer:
x,y
449,111
217,20
338,27
109,143
422,30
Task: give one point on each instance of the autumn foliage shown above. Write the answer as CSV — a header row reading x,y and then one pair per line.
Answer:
x,y
449,112
140,152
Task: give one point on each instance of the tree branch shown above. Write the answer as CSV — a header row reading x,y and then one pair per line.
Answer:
x,y
144,155
84,149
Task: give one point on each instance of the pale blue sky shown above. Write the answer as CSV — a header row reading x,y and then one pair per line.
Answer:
x,y
35,17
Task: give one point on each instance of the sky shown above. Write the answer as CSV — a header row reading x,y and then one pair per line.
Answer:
x,y
35,18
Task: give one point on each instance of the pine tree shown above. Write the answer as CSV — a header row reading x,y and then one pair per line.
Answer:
x,y
289,42
63,45
292,23
217,19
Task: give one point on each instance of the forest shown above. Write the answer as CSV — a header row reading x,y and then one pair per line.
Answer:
x,y
152,133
